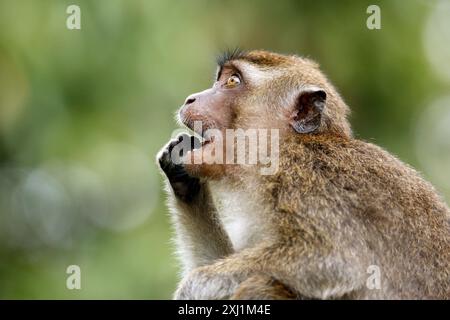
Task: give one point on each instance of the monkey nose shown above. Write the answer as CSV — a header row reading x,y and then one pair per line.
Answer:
x,y
189,100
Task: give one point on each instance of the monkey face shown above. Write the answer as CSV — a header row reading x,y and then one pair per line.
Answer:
x,y
214,107
262,90
213,110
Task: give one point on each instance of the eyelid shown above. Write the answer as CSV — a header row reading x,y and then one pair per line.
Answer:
x,y
236,74
233,71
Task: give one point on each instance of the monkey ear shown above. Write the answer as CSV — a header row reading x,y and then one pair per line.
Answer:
x,y
307,114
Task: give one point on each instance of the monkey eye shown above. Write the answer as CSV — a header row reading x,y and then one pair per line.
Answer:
x,y
233,81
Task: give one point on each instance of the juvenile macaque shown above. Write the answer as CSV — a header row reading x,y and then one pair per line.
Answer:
x,y
334,207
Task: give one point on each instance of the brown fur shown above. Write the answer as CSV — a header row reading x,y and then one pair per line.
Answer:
x,y
336,206
262,287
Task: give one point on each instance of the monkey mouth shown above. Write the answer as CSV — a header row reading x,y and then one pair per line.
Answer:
x,y
204,141
201,135
198,146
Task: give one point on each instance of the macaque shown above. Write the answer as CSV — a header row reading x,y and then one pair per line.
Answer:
x,y
333,208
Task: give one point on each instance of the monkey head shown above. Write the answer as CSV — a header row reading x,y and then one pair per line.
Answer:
x,y
262,90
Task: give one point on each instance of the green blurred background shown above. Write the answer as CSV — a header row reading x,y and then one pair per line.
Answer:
x,y
83,113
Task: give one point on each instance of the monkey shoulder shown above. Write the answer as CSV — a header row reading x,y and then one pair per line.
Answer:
x,y
354,172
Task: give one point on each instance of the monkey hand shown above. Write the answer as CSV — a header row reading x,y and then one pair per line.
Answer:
x,y
170,159
205,284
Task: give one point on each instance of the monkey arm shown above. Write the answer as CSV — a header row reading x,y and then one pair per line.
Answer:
x,y
263,270
263,287
200,236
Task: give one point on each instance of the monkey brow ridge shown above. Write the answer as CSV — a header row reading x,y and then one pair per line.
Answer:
x,y
258,57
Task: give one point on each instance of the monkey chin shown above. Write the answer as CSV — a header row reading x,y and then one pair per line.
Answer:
x,y
202,162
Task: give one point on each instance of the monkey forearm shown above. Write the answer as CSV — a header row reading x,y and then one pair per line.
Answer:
x,y
317,277
263,287
201,238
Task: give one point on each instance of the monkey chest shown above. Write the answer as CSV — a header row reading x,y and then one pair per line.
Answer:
x,y
240,215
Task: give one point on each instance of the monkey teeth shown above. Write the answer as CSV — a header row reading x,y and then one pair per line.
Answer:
x,y
205,141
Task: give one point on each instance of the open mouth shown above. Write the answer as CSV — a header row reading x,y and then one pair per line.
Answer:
x,y
200,135
206,139
201,142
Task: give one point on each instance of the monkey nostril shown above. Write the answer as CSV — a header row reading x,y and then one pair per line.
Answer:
x,y
189,101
